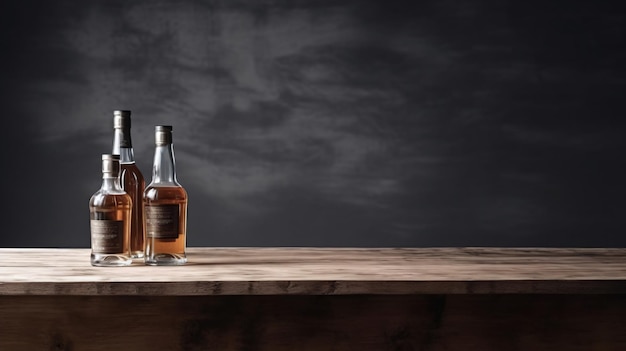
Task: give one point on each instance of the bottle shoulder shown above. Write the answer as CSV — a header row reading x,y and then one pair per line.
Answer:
x,y
162,191
103,198
130,170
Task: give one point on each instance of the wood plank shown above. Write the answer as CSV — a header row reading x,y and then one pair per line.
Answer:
x,y
355,322
322,271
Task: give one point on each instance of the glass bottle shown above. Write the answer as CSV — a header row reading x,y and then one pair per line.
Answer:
x,y
110,215
165,206
131,179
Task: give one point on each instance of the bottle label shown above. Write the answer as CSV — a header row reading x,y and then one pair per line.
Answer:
x,y
162,221
107,236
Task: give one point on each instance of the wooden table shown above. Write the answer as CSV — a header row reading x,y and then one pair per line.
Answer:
x,y
318,299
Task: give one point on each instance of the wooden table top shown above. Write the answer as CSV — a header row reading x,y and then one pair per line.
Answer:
x,y
322,271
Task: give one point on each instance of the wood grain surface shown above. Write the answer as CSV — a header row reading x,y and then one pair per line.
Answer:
x,y
318,299
322,271
317,323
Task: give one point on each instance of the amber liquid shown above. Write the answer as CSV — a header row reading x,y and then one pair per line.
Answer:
x,y
133,183
115,207
172,246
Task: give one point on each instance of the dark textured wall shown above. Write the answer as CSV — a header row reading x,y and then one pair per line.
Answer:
x,y
325,123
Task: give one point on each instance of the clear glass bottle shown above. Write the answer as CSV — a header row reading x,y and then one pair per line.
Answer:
x,y
165,206
110,211
131,179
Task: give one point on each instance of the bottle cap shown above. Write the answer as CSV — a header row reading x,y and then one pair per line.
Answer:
x,y
121,119
163,135
111,164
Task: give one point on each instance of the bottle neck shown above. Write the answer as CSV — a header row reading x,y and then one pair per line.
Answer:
x,y
164,167
111,184
123,146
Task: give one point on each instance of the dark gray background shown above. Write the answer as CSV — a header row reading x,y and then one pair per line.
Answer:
x,y
325,123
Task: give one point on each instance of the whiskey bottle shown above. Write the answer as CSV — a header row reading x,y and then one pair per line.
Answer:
x,y
131,179
165,206
110,211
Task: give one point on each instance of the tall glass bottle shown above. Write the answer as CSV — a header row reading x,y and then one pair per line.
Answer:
x,y
165,206
110,211
131,179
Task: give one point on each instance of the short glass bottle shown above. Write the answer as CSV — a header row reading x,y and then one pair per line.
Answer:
x,y
165,206
110,211
131,179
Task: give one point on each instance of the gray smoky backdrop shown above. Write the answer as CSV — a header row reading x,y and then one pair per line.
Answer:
x,y
324,122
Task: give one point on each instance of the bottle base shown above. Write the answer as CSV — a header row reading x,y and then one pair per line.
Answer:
x,y
165,259
109,260
136,254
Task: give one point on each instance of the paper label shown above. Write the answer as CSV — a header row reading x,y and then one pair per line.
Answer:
x,y
162,221
107,236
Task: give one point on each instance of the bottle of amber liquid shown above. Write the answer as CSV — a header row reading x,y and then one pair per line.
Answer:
x,y
165,206
110,211
131,179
